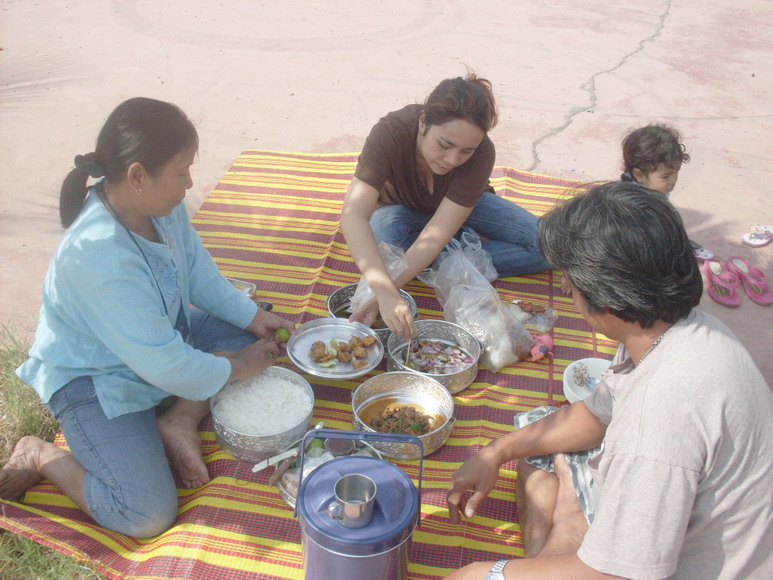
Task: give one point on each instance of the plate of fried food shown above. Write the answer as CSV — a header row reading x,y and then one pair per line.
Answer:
x,y
335,348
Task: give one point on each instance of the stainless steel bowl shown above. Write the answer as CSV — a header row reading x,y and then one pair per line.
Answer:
x,y
404,387
254,448
338,306
438,330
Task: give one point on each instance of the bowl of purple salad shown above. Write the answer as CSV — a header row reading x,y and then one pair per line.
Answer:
x,y
441,350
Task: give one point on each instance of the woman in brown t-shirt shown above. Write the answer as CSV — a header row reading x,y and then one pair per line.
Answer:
x,y
422,176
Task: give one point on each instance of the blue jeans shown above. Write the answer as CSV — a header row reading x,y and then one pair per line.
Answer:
x,y
129,486
510,229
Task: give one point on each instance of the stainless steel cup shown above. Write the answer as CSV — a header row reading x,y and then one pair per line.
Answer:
x,y
355,497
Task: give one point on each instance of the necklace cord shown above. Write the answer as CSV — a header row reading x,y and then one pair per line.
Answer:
x,y
111,210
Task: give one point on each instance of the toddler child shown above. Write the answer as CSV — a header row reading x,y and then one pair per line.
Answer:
x,y
653,156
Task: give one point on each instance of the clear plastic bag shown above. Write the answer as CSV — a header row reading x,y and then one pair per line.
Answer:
x,y
452,268
480,258
469,300
539,320
479,309
395,262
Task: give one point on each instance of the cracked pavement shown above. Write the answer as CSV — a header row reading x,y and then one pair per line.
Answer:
x,y
570,78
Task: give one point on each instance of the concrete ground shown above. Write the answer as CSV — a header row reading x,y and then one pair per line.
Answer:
x,y
571,78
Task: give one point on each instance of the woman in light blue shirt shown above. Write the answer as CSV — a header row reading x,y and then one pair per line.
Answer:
x,y
117,335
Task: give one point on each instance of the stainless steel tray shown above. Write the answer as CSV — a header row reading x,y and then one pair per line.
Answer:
x,y
325,329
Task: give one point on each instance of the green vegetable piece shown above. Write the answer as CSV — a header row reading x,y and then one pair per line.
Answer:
x,y
283,334
316,443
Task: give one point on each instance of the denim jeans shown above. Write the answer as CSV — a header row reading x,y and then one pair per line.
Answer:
x,y
129,486
510,229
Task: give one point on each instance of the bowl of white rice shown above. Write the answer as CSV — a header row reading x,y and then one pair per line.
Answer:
x,y
257,418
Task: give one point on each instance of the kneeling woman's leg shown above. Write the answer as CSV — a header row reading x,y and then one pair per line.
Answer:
x,y
213,335
512,235
128,486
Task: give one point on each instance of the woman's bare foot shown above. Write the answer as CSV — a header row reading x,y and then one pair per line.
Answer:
x,y
23,468
180,436
569,523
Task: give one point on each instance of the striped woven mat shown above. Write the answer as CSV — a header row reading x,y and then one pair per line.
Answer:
x,y
274,220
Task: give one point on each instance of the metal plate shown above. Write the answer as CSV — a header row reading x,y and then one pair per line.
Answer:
x,y
325,329
247,287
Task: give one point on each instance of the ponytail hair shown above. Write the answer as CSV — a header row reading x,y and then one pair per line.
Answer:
x,y
139,130
467,98
73,193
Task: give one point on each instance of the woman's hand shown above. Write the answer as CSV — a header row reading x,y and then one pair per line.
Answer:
x,y
478,474
396,315
266,324
252,360
366,313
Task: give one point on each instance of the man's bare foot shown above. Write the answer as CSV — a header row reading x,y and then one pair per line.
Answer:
x,y
569,523
566,287
183,448
22,470
535,500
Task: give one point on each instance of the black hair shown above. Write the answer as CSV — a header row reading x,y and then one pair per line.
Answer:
x,y
626,252
139,130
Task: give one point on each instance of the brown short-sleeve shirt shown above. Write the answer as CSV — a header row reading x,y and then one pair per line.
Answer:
x,y
388,163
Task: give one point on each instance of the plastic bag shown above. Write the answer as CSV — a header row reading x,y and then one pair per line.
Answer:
x,y
536,319
452,268
480,258
395,262
479,309
469,300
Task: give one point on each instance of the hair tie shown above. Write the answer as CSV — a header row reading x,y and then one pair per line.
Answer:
x,y
88,164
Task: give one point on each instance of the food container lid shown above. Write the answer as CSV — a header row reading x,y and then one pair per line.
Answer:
x,y
395,512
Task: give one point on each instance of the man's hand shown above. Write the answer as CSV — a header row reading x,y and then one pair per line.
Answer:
x,y
478,474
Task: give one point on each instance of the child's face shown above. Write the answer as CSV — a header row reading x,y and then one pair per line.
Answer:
x,y
663,179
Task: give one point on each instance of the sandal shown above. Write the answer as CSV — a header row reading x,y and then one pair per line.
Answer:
x,y
753,280
703,253
758,236
722,283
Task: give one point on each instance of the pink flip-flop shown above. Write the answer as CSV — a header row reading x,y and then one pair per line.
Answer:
x,y
722,283
753,280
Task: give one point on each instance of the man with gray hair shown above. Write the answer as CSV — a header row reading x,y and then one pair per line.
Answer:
x,y
679,476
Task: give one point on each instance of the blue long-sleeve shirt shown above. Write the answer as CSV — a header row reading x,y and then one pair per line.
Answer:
x,y
103,315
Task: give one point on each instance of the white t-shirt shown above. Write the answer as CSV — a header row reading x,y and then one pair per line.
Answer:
x,y
684,487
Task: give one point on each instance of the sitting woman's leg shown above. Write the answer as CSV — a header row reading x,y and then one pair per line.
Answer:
x,y
127,484
511,235
397,225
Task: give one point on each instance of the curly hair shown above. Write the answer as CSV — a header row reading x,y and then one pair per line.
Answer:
x,y
647,147
626,252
